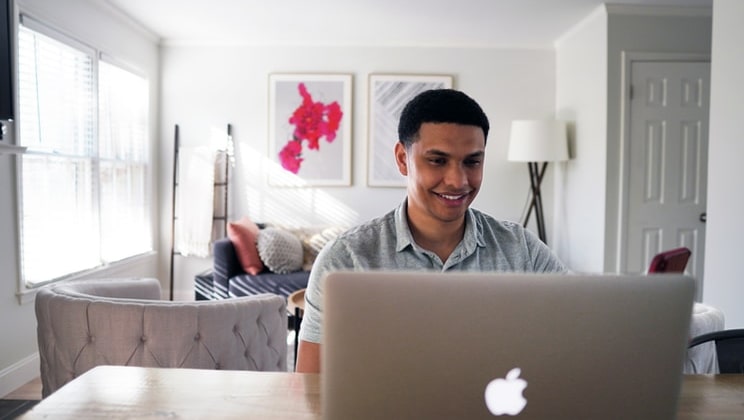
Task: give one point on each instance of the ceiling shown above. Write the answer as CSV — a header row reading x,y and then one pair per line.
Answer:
x,y
480,23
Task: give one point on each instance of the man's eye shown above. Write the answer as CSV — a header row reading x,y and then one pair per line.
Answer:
x,y
472,162
437,161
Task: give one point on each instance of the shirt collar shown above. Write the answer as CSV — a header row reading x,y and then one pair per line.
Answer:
x,y
473,236
473,232
403,234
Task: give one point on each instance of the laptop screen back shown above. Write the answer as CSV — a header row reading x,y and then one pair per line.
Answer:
x,y
429,345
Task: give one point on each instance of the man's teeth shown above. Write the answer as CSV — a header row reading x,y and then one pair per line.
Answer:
x,y
452,197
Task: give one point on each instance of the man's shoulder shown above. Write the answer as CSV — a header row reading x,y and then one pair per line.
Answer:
x,y
366,245
365,237
370,229
485,222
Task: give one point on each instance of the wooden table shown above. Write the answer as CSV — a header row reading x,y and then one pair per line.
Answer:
x,y
113,392
712,397
116,392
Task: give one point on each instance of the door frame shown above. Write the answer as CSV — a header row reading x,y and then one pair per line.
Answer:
x,y
628,58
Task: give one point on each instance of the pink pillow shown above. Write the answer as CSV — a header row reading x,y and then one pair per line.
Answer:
x,y
243,234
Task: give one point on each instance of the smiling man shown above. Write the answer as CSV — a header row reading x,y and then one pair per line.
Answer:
x,y
441,151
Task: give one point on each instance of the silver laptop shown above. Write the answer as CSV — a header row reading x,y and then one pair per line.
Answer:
x,y
465,346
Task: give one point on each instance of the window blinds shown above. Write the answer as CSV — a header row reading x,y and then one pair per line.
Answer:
x,y
84,179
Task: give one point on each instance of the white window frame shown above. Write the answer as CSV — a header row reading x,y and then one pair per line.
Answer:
x,y
26,291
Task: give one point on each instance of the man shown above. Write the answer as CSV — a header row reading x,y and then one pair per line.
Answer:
x,y
441,150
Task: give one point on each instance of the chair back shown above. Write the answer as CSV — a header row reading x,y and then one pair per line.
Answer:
x,y
729,349
87,323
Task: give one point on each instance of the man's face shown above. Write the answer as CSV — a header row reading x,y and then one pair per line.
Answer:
x,y
444,169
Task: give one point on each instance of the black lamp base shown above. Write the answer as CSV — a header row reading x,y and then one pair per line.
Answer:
x,y
536,176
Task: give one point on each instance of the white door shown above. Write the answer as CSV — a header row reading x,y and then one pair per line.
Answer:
x,y
668,161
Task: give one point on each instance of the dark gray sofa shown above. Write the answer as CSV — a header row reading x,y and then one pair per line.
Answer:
x,y
227,278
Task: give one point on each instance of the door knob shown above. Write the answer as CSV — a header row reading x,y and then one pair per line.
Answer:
x,y
703,217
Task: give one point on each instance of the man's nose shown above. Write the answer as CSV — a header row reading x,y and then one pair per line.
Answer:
x,y
456,176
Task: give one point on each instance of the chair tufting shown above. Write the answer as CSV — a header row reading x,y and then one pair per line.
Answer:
x,y
87,323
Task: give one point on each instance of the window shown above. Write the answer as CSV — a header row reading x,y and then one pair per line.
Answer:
x,y
84,179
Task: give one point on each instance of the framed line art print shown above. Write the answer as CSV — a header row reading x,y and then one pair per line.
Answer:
x,y
388,94
310,129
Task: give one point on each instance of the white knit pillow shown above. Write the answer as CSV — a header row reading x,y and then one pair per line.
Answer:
x,y
279,250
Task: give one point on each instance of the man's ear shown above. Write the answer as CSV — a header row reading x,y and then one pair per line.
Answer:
x,y
401,158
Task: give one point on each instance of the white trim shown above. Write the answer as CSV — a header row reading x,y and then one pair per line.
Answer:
x,y
109,59
635,10
19,374
623,178
130,21
119,268
11,149
50,30
58,35
600,10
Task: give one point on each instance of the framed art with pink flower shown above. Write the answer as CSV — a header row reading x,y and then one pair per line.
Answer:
x,y
388,94
310,129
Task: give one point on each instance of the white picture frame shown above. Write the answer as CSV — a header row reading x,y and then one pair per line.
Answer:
x,y
388,94
317,153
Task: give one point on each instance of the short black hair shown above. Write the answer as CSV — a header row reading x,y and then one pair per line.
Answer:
x,y
439,106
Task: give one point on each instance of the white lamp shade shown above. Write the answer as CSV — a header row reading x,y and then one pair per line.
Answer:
x,y
538,141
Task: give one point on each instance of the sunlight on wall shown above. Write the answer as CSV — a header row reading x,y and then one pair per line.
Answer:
x,y
219,140
295,205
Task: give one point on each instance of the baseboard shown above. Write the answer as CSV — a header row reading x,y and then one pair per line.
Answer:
x,y
19,374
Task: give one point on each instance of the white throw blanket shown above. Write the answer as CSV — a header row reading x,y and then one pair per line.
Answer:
x,y
195,200
702,358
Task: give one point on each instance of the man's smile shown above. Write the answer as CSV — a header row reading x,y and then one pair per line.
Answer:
x,y
453,197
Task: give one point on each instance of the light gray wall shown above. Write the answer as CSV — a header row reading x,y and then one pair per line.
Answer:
x,y
636,30
724,282
581,96
208,87
95,24
588,188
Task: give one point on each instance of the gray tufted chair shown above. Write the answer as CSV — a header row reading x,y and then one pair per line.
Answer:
x,y
83,324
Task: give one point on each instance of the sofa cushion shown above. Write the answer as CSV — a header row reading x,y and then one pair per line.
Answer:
x,y
280,251
313,239
268,282
318,241
243,234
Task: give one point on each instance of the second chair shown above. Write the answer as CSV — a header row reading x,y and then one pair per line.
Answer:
x,y
729,348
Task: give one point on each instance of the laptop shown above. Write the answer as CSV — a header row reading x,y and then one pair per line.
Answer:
x,y
414,345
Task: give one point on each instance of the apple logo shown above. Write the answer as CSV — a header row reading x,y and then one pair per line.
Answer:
x,y
504,396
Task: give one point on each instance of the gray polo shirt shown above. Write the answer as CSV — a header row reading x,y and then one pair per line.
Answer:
x,y
386,243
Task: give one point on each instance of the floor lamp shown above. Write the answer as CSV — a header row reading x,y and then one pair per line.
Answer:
x,y
537,142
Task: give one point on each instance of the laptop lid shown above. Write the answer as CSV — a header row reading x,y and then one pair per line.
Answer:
x,y
481,345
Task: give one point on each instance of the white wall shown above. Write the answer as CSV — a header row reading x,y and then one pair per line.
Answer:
x,y
724,281
581,95
635,30
93,23
208,87
589,92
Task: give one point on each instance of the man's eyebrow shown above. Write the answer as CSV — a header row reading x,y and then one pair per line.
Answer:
x,y
437,152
